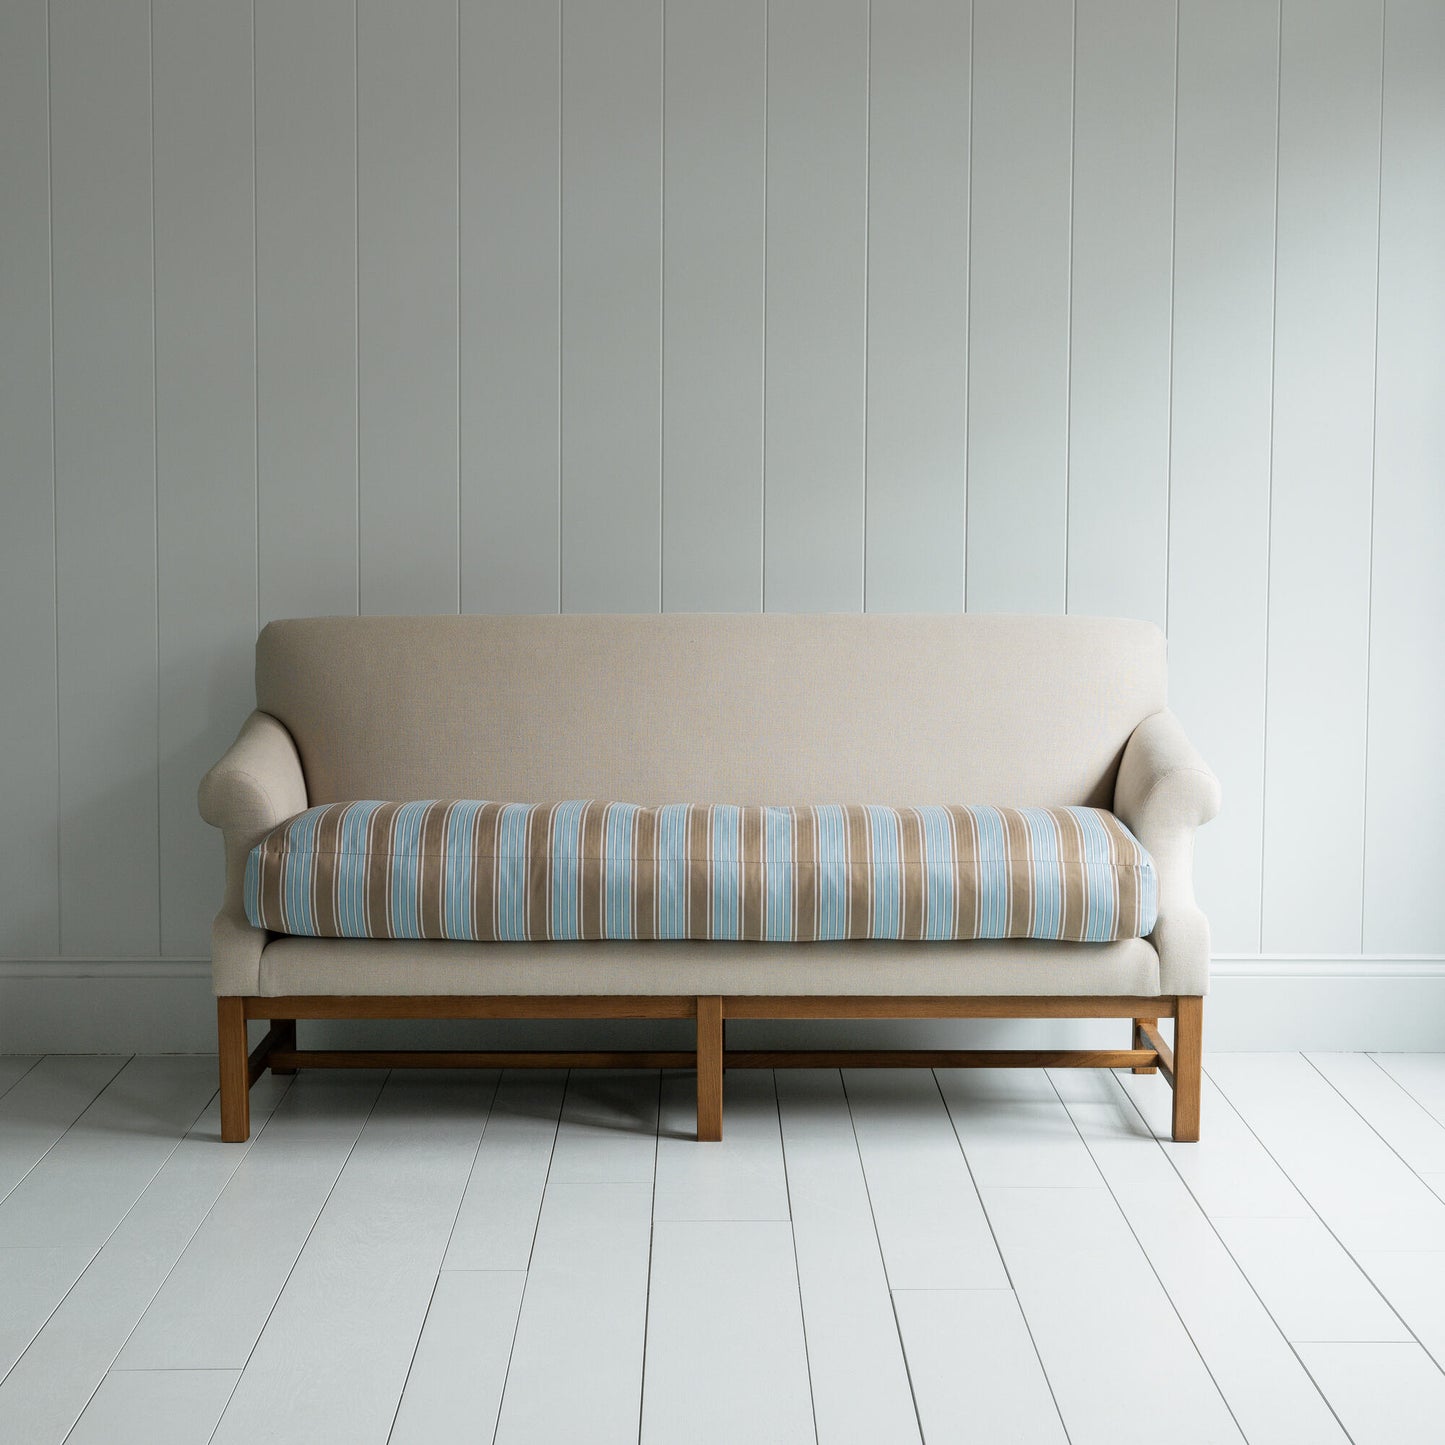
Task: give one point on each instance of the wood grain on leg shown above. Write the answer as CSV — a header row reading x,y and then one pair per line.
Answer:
x,y
709,1068
1141,1041
1188,1067
235,1070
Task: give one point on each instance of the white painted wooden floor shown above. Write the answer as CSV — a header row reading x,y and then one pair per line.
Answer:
x,y
874,1258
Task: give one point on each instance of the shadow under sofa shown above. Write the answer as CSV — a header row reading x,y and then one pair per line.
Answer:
x,y
1022,711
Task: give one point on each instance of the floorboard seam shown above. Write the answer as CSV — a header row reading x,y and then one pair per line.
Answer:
x,y
1243,1273
797,1272
241,1375
436,1279
1144,1254
882,1257
1003,1262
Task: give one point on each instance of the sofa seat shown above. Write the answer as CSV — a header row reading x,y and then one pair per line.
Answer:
x,y
1020,967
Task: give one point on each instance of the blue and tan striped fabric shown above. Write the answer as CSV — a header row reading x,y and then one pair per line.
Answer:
x,y
501,872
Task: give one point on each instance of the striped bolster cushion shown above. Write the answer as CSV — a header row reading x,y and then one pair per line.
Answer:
x,y
501,872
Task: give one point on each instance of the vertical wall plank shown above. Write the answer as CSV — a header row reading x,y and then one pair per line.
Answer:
x,y
306,306
105,476
206,421
715,69
1329,158
1404,902
407,318
1018,321
1220,444
918,102
611,301
1120,308
814,443
29,905
511,156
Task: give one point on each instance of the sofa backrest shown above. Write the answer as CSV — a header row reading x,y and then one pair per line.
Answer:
x,y
740,708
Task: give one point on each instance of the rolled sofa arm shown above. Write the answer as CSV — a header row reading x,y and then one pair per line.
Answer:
x,y
256,785
1164,792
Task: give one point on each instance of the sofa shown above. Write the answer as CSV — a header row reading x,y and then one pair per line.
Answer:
x,y
1034,712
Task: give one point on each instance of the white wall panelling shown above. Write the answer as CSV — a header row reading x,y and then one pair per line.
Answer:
x,y
813,457
714,78
102,312
510,306
1404,905
1319,572
205,306
1018,321
1219,456
407,308
511,158
29,774
611,305
1120,308
306,297
917,352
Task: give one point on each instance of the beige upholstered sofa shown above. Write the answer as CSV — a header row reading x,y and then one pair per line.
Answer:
x,y
692,708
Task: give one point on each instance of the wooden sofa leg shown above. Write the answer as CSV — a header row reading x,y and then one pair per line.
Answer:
x,y
235,1070
1188,1066
709,1069
1140,1042
283,1034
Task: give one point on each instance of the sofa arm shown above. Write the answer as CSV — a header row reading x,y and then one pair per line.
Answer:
x,y
1164,792
256,785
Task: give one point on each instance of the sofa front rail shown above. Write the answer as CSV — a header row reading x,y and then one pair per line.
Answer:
x,y
240,1067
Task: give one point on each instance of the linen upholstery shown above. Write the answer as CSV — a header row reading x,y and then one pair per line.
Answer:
x,y
256,785
1165,793
755,708
1028,711
949,970
510,872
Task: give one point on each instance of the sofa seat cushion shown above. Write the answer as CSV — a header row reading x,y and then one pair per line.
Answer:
x,y
515,872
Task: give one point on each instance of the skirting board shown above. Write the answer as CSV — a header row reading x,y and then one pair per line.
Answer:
x,y
1388,1004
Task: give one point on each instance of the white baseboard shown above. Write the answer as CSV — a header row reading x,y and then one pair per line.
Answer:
x,y
1255,1002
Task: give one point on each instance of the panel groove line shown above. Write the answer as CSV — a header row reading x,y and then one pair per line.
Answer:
x,y
612,301
29,709
1329,158
105,476
1018,316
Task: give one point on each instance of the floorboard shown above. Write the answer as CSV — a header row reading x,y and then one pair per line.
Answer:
x,y
32,1283
861,1393
930,1223
498,1218
1104,1328
1269,1392
869,1256
1414,1133
585,1304
1311,1287
1384,1394
155,1407
975,1372
333,1358
13,1068
454,1390
248,1245
42,1104
51,1384
87,1180
739,1177
1367,1195
736,1369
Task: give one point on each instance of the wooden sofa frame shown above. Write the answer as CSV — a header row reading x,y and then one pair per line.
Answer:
x,y
1181,1065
